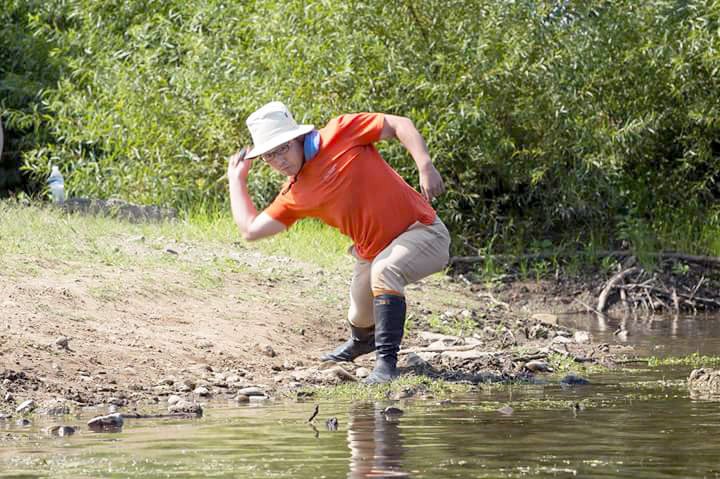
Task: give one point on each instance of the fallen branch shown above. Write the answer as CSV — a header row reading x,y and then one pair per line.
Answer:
x,y
688,297
467,347
702,260
602,300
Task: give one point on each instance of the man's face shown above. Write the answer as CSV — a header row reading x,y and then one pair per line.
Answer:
x,y
286,158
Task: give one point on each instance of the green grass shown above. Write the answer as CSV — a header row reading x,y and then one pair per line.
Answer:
x,y
694,360
52,235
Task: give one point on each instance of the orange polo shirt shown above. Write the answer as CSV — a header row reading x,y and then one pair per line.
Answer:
x,y
350,187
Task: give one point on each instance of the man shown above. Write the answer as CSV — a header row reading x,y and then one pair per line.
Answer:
x,y
337,175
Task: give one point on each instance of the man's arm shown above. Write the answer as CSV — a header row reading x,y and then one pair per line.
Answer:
x,y
402,128
252,225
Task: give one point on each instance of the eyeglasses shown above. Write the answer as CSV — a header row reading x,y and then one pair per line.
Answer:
x,y
279,151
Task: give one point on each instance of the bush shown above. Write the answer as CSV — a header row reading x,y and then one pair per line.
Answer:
x,y
564,120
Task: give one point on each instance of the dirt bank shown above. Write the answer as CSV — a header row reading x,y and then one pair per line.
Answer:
x,y
90,334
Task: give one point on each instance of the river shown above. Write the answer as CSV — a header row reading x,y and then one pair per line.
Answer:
x,y
637,422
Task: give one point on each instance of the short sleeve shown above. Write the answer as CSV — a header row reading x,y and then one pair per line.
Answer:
x,y
363,128
281,209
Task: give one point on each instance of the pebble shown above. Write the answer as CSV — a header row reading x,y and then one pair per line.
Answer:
x,y
546,318
362,373
61,410
538,365
561,340
267,350
61,431
111,422
173,399
186,407
574,380
63,342
341,374
582,337
414,361
506,410
26,407
251,391
8,397
116,401
202,391
393,411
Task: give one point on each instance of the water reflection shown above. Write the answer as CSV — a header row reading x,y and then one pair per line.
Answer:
x,y
687,334
375,442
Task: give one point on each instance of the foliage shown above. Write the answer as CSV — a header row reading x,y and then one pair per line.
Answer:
x,y
560,120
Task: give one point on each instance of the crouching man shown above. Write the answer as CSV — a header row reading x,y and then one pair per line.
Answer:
x,y
337,175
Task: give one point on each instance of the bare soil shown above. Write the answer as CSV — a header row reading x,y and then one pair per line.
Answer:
x,y
92,334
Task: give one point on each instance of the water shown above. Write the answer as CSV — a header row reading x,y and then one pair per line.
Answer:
x,y
636,423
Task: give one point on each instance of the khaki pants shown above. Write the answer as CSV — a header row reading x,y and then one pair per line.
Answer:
x,y
419,252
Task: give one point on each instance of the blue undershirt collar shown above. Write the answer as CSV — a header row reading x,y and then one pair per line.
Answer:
x,y
311,145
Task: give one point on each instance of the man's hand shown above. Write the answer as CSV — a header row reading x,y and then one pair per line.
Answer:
x,y
239,167
431,183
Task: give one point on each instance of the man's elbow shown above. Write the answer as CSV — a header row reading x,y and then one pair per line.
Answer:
x,y
250,236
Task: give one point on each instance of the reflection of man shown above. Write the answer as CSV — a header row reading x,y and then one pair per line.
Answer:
x,y
375,443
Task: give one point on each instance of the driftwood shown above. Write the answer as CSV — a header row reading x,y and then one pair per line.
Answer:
x,y
602,300
701,260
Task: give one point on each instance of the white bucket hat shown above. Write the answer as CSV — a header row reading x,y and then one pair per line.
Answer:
x,y
271,126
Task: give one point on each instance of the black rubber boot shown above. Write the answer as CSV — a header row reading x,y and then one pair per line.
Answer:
x,y
362,341
389,311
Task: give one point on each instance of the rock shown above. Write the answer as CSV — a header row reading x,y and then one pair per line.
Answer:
x,y
61,410
362,373
546,318
9,397
60,431
341,374
506,410
5,417
63,342
561,340
186,407
538,331
573,380
242,398
267,350
258,398
173,399
404,394
393,412
538,366
119,402
202,391
251,391
22,422
704,382
412,360
111,422
582,337
26,407
466,355
233,379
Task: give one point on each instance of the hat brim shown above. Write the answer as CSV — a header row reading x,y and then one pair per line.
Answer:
x,y
278,140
